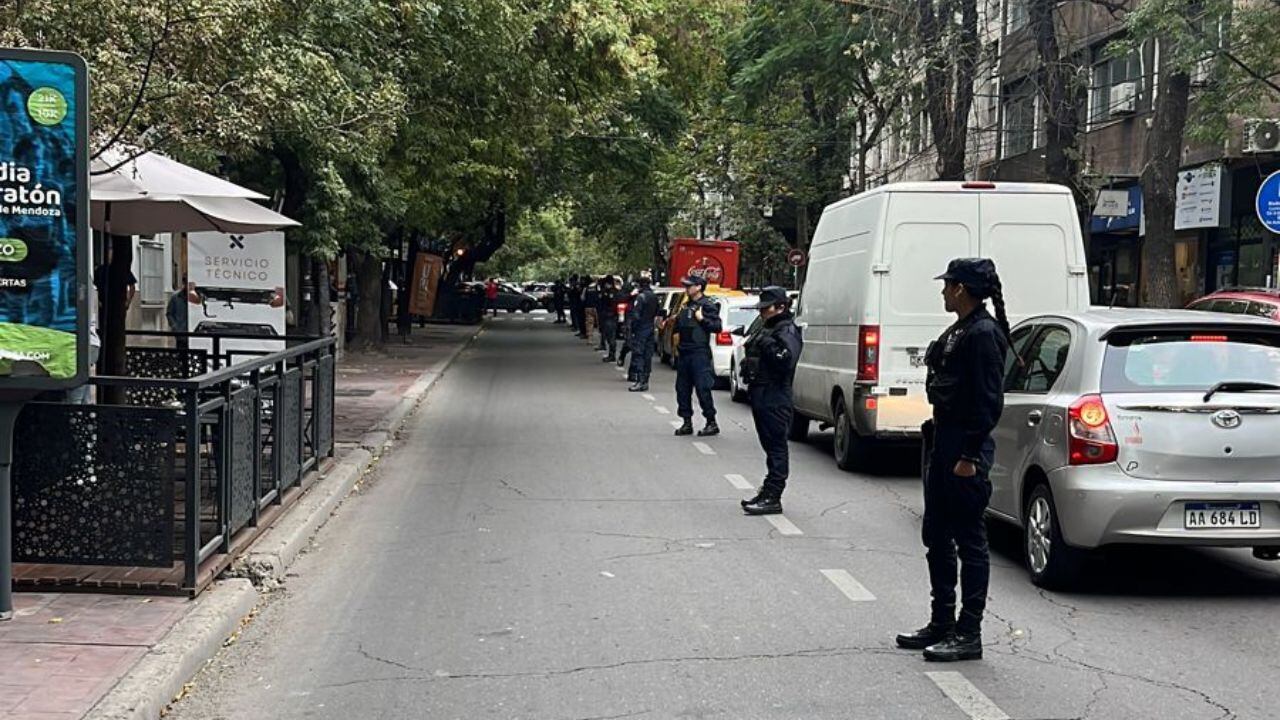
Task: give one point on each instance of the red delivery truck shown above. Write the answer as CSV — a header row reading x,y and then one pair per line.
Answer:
x,y
715,260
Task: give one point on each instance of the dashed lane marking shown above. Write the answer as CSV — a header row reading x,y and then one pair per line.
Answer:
x,y
661,410
704,448
783,525
849,585
649,397
739,482
968,698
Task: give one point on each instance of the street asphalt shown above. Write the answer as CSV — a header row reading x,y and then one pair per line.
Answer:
x,y
539,546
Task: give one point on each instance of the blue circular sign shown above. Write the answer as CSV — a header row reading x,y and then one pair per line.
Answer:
x,y
1268,202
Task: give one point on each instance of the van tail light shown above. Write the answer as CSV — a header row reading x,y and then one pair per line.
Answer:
x,y
1090,439
869,353
978,185
277,298
724,338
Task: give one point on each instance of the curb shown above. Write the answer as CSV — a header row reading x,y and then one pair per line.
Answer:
x,y
158,677
155,680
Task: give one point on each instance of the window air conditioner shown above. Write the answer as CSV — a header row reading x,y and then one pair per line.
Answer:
x,y
1262,135
1124,99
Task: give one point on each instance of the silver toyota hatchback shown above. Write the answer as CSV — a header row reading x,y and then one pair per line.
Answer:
x,y
1139,426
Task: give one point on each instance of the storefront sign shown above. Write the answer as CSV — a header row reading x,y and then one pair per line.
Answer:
x,y
426,279
1268,202
44,220
1200,193
236,286
1117,210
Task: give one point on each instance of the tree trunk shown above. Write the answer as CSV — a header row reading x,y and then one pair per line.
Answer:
x,y
949,74
369,329
1160,182
1063,103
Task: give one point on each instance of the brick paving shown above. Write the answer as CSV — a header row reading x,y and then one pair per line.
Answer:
x,y
63,651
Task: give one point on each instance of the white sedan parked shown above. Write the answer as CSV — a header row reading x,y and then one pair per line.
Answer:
x,y
736,315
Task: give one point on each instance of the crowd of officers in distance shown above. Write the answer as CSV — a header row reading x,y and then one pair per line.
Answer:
x,y
964,386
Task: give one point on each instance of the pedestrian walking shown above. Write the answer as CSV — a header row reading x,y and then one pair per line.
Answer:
x,y
608,311
491,296
965,386
641,334
769,367
698,320
559,293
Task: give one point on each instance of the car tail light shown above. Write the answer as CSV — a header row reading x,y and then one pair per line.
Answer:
x,y
724,338
869,353
621,308
978,185
1208,338
1090,440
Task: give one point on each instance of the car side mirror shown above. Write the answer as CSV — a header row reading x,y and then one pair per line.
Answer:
x,y
739,331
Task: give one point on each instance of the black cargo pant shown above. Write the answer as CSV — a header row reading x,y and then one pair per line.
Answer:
x,y
694,371
641,344
771,408
609,334
955,527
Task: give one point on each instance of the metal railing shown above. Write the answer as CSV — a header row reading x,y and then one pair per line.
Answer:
x,y
206,439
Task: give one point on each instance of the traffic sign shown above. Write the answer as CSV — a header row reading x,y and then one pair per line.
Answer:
x,y
797,257
1268,202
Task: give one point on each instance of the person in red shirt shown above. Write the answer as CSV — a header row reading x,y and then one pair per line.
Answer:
x,y
491,296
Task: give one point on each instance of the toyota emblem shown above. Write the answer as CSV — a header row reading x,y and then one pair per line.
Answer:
x,y
1226,419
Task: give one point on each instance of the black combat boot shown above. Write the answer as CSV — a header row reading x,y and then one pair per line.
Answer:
x,y
711,429
961,645
609,359
640,386
767,503
685,429
931,634
754,498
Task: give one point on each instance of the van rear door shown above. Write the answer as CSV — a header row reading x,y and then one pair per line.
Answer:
x,y
1037,249
923,232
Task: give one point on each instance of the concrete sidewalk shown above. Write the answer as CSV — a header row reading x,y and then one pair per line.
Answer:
x,y
71,655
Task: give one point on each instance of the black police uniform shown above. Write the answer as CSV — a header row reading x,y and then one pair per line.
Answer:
x,y
769,368
641,336
558,293
607,309
576,319
965,387
694,368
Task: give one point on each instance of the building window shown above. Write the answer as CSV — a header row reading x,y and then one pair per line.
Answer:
x,y
152,287
1019,119
1105,102
1019,15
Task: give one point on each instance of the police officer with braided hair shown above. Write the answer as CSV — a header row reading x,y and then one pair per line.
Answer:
x,y
965,385
768,368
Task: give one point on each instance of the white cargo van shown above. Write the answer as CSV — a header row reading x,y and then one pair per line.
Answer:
x,y
870,306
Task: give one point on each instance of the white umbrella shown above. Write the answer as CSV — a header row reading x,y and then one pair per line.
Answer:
x,y
152,194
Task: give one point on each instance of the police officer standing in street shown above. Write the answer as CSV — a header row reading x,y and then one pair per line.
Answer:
x,y
698,320
607,309
965,385
558,294
772,352
640,336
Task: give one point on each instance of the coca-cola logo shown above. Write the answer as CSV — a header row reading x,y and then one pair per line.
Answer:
x,y
709,269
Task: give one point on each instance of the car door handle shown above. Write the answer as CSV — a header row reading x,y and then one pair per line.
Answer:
x,y
1034,417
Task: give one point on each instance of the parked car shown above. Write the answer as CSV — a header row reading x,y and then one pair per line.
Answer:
x,y
543,293
1259,302
510,297
871,306
736,315
1139,426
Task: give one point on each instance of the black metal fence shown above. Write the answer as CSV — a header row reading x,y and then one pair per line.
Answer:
x,y
206,439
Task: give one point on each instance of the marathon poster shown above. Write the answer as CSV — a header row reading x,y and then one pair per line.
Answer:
x,y
43,219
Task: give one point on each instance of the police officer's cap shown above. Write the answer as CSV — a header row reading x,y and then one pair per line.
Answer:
x,y
975,273
770,296
695,281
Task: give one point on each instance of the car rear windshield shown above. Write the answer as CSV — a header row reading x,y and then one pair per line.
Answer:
x,y
1189,360
739,317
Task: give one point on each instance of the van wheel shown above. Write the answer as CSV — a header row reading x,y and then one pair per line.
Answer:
x,y
799,430
1052,563
850,447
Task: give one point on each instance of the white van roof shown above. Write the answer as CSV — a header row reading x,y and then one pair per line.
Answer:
x,y
973,186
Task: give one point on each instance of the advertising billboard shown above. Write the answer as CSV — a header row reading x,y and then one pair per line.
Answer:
x,y
236,286
427,269
44,220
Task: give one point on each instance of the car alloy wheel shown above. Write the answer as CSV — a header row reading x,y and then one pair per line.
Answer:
x,y
1039,534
